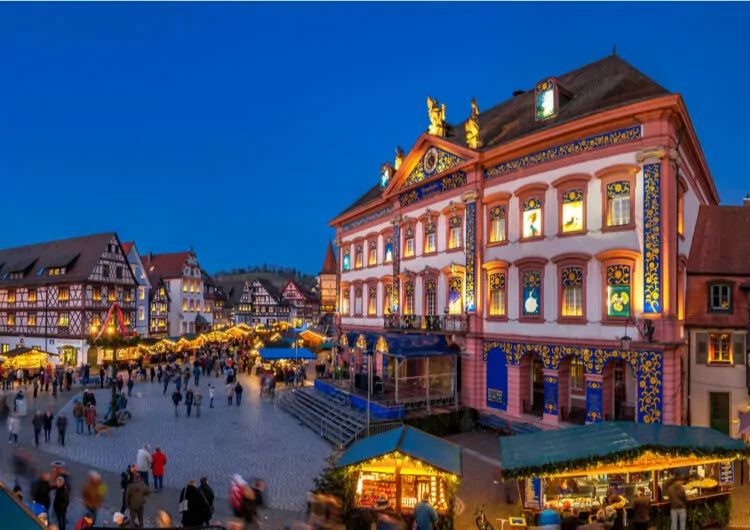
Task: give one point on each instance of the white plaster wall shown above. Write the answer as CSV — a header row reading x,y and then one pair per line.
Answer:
x,y
691,205
51,345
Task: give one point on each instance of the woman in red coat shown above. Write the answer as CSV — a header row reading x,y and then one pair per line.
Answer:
x,y
90,416
158,461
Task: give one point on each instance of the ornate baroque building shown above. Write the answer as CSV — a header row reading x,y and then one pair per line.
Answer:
x,y
540,236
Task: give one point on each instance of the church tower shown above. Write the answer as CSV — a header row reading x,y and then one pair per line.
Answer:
x,y
328,281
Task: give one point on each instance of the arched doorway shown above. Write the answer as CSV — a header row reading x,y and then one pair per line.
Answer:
x,y
532,385
92,356
68,356
620,391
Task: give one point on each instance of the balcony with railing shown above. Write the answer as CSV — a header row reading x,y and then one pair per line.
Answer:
x,y
427,323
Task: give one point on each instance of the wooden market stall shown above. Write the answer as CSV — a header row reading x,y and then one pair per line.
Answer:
x,y
589,466
27,358
395,469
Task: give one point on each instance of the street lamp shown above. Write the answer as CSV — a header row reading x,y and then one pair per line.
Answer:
x,y
625,340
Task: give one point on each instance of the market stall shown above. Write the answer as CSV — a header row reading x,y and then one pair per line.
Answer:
x,y
394,470
590,466
17,515
27,359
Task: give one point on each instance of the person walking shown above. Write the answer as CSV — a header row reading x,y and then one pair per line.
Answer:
x,y
143,461
78,415
198,402
158,461
61,502
40,491
135,500
189,401
35,386
127,477
152,373
238,393
90,415
48,425
641,510
211,395
178,382
14,428
55,384
208,494
176,399
93,494
197,373
130,386
193,505
38,423
159,374
230,394
424,514
62,426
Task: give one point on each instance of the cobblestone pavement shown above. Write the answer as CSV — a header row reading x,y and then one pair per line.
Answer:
x,y
741,505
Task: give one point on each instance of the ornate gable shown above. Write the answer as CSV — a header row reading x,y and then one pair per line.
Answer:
x,y
433,162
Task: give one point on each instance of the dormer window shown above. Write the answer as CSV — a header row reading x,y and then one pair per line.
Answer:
x,y
57,271
546,99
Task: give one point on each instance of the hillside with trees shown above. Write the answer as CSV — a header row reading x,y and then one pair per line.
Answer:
x,y
276,274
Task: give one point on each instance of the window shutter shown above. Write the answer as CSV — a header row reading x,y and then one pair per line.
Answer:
x,y
701,355
738,348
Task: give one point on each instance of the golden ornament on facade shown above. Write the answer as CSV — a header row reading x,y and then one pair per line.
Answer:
x,y
399,158
473,139
436,113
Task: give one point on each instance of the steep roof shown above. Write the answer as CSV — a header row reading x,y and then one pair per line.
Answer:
x,y
330,266
270,288
166,265
79,256
126,247
605,84
720,243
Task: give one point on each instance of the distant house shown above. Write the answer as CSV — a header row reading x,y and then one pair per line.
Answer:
x,y
305,305
268,306
144,288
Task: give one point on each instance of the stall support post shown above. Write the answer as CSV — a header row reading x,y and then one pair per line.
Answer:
x,y
428,386
655,479
398,362
398,485
369,393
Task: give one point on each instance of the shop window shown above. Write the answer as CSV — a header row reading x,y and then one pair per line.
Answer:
x,y
409,244
372,258
387,299
455,232
63,295
409,298
572,292
430,290
388,249
572,211
531,305
619,296
719,348
455,295
720,297
497,294
577,382
346,262
430,238
498,224
619,197
531,218
358,301
372,301
32,295
358,257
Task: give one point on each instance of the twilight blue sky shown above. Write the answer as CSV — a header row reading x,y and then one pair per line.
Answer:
x,y
242,129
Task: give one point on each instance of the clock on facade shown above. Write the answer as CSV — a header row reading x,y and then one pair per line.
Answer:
x,y
430,160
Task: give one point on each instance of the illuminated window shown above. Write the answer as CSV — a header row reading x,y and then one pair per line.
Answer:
x,y
5,348
388,299
577,381
184,306
63,295
32,320
545,98
498,224
346,261
141,293
372,258
161,291
388,249
430,290
572,211
163,308
112,294
681,213
372,301
409,245
409,298
497,294
192,286
358,257
572,292
719,348
97,294
11,296
63,320
455,232
358,301
153,308
56,271
618,291
721,297
141,313
192,306
96,322
618,203
128,295
532,218
11,320
185,286
455,295
32,295
531,280
430,238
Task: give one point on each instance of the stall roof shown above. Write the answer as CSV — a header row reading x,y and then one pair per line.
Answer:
x,y
276,354
404,345
23,351
410,441
585,446
15,514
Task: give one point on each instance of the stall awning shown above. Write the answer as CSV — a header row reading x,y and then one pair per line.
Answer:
x,y
23,351
586,446
276,354
412,442
15,514
402,345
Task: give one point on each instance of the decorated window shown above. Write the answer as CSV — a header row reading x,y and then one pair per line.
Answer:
x,y
497,294
455,295
455,232
32,320
388,299
358,257
430,237
545,98
719,348
572,211
430,296
572,292
372,258
345,294
531,305
409,298
619,294
63,320
409,244
372,300
577,382
531,218
618,203
388,249
498,224
346,261
358,301
720,297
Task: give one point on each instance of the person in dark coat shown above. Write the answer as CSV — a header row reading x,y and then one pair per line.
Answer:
x,y
189,401
38,423
62,426
176,399
61,503
40,491
238,393
198,510
208,493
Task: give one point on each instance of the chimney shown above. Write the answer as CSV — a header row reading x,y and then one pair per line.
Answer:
x,y
746,202
517,93
150,255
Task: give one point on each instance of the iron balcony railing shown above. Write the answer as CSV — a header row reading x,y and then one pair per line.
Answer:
x,y
428,323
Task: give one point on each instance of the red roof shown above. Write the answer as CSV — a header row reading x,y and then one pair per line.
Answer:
x,y
166,265
720,242
329,265
126,247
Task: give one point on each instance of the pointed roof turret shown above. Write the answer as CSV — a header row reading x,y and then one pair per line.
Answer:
x,y
330,266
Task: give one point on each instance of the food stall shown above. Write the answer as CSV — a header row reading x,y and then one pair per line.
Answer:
x,y
27,359
16,514
395,469
271,357
590,466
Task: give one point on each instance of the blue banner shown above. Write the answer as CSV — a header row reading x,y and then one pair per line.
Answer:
x,y
497,379
550,394
533,494
726,473
593,401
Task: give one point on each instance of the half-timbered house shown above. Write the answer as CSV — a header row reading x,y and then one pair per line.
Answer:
x,y
268,306
159,304
54,295
305,304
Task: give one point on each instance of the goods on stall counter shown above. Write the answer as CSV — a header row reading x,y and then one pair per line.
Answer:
x,y
706,484
575,502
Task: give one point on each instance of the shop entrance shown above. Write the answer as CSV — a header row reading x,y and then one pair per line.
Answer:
x,y
537,387
68,356
92,356
719,411
624,391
